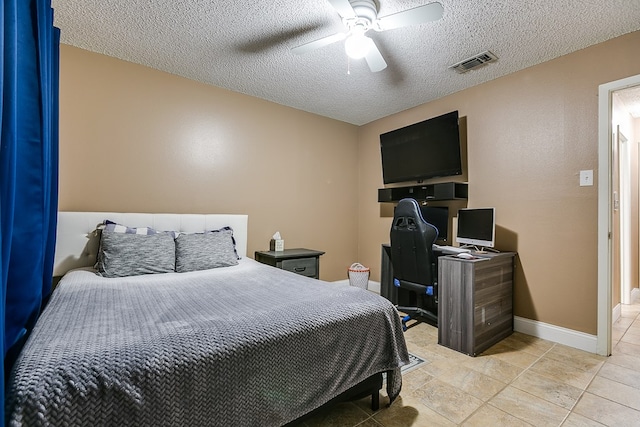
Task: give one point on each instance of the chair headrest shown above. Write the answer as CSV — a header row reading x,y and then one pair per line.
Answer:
x,y
408,217
409,207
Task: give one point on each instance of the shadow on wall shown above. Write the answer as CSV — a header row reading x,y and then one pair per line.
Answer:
x,y
386,210
507,241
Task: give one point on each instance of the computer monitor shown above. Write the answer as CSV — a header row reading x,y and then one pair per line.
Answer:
x,y
476,227
437,216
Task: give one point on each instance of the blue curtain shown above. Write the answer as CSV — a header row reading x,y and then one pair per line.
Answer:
x,y
28,167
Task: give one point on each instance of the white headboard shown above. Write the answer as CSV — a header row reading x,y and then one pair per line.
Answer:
x,y
77,244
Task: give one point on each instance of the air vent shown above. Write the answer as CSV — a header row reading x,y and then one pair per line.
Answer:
x,y
474,62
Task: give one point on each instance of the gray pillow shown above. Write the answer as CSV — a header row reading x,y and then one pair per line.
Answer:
x,y
202,251
124,254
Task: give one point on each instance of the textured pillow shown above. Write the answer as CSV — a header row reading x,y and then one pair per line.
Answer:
x,y
125,254
202,251
119,228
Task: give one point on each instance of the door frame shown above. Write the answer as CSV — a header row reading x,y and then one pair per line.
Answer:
x,y
605,129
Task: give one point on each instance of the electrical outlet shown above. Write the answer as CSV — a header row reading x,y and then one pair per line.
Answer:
x,y
586,178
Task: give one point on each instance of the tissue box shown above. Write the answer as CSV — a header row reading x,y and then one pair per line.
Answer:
x,y
276,245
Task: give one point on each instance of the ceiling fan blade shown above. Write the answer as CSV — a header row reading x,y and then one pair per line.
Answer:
x,y
374,58
343,7
317,44
418,15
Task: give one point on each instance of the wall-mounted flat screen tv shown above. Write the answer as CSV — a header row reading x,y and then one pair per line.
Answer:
x,y
423,150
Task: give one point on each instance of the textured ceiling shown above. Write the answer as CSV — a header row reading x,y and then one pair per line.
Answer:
x,y
245,46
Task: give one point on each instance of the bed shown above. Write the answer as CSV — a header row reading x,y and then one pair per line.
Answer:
x,y
244,344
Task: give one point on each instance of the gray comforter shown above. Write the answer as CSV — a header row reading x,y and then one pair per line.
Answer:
x,y
245,345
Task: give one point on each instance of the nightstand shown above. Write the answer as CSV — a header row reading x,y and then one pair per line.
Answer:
x,y
305,262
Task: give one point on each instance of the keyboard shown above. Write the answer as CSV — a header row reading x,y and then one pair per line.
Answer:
x,y
449,249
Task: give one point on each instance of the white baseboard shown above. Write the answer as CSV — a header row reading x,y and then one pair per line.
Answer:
x,y
616,313
373,285
635,294
560,335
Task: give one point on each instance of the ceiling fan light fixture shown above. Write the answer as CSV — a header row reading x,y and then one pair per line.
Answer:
x,y
357,45
360,16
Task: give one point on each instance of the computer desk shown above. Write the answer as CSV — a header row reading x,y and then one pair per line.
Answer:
x,y
475,298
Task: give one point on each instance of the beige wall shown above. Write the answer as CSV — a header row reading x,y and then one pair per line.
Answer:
x,y
135,139
528,136
139,140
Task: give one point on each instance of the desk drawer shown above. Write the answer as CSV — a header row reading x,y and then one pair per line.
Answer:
x,y
303,266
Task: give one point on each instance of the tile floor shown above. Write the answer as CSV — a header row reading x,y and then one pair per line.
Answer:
x,y
521,381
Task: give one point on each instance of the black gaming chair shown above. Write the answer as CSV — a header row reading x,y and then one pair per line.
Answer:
x,y
414,266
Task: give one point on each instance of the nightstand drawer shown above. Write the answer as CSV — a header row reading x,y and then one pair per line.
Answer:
x,y
299,260
303,266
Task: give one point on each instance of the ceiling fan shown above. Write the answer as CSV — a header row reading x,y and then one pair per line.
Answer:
x,y
360,16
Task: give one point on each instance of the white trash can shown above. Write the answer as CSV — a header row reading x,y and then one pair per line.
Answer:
x,y
359,275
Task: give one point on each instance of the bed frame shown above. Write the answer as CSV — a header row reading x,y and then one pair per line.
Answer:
x,y
77,247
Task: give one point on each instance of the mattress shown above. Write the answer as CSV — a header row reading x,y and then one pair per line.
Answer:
x,y
233,346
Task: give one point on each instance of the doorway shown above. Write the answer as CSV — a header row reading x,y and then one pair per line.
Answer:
x,y
613,210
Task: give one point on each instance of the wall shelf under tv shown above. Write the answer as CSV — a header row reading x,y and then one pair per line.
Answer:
x,y
425,192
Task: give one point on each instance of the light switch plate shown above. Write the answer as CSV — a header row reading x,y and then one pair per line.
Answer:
x,y
586,178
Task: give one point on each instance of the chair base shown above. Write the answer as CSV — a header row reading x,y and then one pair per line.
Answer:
x,y
418,314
